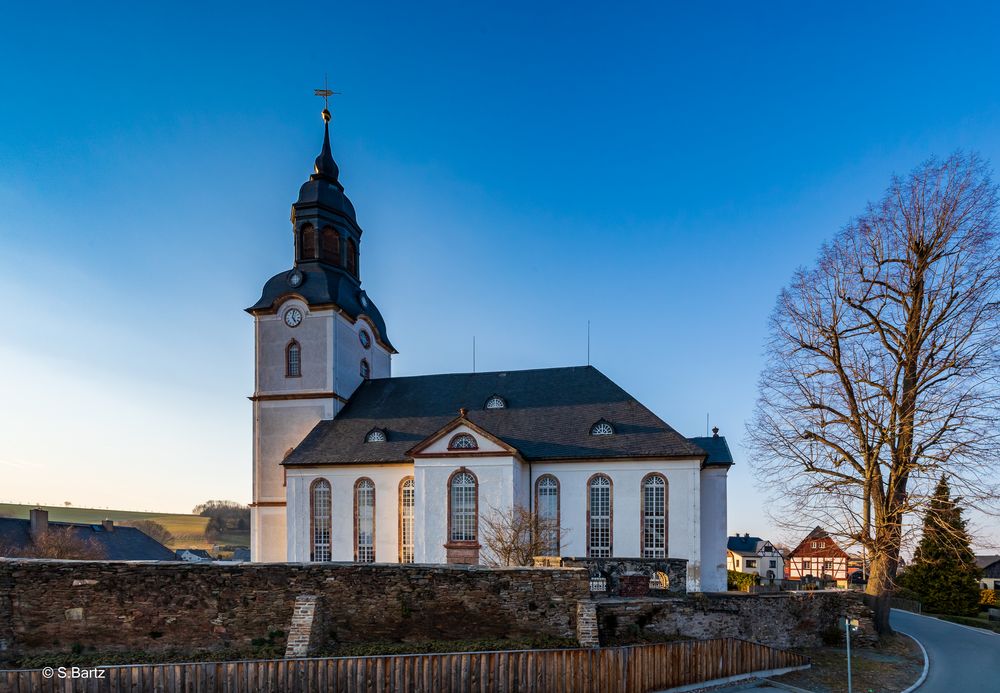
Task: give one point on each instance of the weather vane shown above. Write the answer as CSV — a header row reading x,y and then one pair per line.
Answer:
x,y
326,94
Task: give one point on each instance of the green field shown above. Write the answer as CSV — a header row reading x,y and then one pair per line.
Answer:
x,y
188,530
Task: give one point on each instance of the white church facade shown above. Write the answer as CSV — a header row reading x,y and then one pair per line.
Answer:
x,y
351,464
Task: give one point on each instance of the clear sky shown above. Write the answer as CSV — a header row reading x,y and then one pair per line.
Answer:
x,y
519,169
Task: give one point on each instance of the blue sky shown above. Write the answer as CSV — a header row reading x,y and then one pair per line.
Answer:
x,y
658,169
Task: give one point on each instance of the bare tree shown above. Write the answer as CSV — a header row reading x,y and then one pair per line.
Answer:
x,y
514,536
881,367
58,542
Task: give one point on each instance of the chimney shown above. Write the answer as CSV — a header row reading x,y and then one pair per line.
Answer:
x,y
715,431
109,525
746,535
39,520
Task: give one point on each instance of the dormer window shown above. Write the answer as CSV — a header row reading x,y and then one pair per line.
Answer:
x,y
602,428
496,402
463,441
376,435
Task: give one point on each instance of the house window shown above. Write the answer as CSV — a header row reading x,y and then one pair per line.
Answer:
x,y
376,435
806,565
599,517
293,360
774,564
654,517
406,503
364,521
495,402
827,566
463,500
547,502
751,563
330,246
463,441
319,512
822,544
602,428
366,370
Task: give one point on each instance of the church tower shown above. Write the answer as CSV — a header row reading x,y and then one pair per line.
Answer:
x,y
317,336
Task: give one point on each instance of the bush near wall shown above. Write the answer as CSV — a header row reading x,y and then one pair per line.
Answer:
x,y
741,581
989,598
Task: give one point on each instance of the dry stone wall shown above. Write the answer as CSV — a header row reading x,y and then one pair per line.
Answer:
x,y
52,605
789,619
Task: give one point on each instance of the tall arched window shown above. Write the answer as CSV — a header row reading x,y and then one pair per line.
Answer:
x,y
293,360
352,257
330,246
406,503
547,502
599,514
319,512
366,370
364,521
307,242
654,516
463,499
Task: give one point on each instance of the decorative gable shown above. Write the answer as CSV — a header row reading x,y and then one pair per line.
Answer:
x,y
461,437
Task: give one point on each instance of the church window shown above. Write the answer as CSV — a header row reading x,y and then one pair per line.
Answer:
x,y
463,441
319,512
463,502
366,371
496,402
602,428
654,516
547,502
293,360
365,339
330,246
599,505
352,257
376,435
364,521
407,500
307,242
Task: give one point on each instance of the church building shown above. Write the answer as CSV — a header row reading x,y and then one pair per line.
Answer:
x,y
351,464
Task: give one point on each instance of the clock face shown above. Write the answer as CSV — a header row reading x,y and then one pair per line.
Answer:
x,y
293,316
366,340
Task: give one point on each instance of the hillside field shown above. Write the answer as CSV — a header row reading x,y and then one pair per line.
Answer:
x,y
188,530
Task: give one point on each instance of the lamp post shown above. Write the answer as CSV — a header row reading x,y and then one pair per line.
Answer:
x,y
850,624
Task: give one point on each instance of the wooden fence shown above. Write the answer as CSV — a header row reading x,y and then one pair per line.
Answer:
x,y
628,669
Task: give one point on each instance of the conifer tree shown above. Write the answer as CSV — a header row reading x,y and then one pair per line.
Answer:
x,y
944,571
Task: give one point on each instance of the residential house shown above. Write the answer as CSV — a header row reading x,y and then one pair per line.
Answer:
x,y
115,543
990,565
193,555
753,555
818,556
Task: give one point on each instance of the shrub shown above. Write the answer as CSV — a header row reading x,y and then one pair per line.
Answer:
x,y
741,581
989,598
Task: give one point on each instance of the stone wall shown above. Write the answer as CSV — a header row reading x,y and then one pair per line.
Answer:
x,y
789,619
611,569
48,606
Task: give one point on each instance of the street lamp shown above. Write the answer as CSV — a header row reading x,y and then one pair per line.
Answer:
x,y
850,626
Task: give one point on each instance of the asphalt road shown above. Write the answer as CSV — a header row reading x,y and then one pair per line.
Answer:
x,y
963,659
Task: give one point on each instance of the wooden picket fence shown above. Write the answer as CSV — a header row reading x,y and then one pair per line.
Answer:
x,y
599,670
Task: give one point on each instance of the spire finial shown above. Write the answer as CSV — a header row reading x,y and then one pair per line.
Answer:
x,y
325,166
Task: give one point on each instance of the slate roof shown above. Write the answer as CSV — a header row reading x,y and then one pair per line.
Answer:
x,y
548,416
717,449
121,544
985,561
742,544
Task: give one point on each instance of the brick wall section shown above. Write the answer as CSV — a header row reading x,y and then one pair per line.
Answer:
x,y
305,633
790,619
587,633
159,606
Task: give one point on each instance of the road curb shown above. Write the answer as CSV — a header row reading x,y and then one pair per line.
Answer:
x,y
927,663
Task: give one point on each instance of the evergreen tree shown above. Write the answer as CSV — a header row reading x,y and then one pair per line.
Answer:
x,y
944,571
